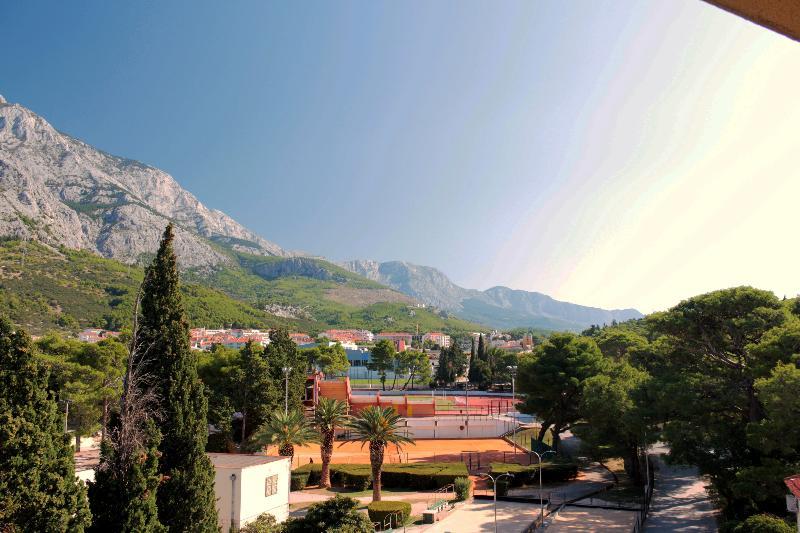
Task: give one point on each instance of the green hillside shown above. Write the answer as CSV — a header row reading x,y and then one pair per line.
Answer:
x,y
44,289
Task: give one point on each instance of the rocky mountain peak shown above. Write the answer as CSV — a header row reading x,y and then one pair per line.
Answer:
x,y
61,191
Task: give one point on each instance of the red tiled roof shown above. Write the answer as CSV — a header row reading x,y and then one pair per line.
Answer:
x,y
793,483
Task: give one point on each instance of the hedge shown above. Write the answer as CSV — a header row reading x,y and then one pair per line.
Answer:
x,y
420,476
379,511
463,486
552,472
300,479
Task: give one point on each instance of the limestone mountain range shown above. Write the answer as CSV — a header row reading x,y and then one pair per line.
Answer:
x,y
60,191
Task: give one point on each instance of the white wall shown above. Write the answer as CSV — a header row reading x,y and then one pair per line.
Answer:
x,y
456,427
248,497
253,500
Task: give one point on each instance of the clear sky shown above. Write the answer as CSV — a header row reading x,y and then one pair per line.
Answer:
x,y
620,153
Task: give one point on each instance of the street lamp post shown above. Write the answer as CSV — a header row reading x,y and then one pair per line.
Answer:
x,y
541,499
513,370
286,371
494,482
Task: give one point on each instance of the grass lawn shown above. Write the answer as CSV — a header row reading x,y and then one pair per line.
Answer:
x,y
524,437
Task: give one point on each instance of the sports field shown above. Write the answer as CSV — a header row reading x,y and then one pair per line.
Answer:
x,y
483,451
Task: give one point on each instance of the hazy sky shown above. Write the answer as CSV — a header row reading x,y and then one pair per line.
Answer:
x,y
607,153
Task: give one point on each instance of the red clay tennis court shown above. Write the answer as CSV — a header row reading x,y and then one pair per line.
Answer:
x,y
474,452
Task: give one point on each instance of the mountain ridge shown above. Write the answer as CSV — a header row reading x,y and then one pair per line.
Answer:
x,y
498,306
60,191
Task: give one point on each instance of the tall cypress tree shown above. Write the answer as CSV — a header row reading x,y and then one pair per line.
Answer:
x,y
123,495
473,375
38,488
481,348
186,500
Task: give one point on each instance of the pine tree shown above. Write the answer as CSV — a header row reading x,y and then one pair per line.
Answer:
x,y
38,488
186,500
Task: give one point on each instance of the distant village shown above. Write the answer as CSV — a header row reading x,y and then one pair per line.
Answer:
x,y
353,339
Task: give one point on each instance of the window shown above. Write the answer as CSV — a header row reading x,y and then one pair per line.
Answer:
x,y
271,486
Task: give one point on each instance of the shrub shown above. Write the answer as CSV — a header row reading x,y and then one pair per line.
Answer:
x,y
379,511
356,477
336,514
265,523
422,476
502,487
463,486
314,472
552,472
299,480
763,523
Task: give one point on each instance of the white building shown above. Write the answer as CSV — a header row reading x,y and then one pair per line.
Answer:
x,y
249,485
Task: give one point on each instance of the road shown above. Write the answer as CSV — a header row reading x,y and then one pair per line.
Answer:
x,y
680,501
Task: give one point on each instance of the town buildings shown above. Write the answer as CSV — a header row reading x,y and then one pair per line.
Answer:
x,y
438,338
96,335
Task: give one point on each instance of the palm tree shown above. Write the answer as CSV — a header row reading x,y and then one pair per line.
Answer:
x,y
380,428
287,431
329,415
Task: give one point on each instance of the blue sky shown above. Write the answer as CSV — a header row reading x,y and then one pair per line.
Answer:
x,y
608,153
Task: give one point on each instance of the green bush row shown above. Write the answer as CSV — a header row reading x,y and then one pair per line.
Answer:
x,y
421,476
552,472
379,511
300,479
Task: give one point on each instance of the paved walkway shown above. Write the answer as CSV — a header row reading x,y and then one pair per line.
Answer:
x,y
680,501
580,519
478,517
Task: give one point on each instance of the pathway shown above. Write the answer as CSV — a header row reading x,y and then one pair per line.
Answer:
x,y
680,501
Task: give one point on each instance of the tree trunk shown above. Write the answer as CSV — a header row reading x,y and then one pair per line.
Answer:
x,y
286,450
77,442
635,470
326,451
376,450
244,425
383,381
543,431
104,423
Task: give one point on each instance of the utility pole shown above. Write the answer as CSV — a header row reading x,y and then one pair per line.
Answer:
x,y
494,482
513,370
286,371
541,498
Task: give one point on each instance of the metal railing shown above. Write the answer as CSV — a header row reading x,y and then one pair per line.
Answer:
x,y
390,522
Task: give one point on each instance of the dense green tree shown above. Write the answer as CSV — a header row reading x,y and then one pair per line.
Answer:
x,y
482,348
472,373
452,364
617,342
382,359
336,515
553,379
186,500
282,353
285,431
416,365
123,494
38,488
715,347
330,360
252,392
88,375
329,415
379,427
615,423
776,438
